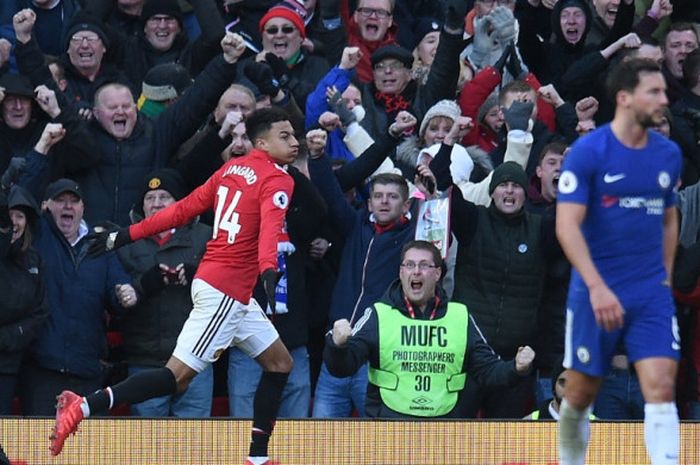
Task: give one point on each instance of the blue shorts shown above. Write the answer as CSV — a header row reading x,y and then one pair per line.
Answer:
x,y
650,330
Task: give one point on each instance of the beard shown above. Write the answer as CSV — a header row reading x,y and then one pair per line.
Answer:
x,y
649,120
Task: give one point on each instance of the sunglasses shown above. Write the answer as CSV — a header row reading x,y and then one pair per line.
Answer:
x,y
286,29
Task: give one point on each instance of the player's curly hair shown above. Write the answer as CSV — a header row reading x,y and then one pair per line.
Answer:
x,y
261,121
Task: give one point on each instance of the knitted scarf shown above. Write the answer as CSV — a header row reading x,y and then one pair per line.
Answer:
x,y
394,103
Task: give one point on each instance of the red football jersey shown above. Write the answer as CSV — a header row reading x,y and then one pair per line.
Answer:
x,y
250,196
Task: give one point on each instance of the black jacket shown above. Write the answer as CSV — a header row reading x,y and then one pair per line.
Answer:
x,y
80,90
114,184
76,151
499,271
481,363
24,307
305,220
441,84
151,327
136,55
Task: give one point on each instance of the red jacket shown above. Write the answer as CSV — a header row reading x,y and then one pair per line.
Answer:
x,y
474,94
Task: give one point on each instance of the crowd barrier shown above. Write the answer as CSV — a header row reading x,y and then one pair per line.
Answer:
x,y
220,441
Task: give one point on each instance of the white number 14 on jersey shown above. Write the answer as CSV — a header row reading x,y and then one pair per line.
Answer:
x,y
228,221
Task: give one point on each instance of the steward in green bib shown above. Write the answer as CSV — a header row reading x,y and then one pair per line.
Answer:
x,y
422,350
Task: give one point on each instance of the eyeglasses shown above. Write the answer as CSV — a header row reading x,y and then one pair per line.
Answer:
x,y
392,65
158,19
422,266
286,29
79,39
367,12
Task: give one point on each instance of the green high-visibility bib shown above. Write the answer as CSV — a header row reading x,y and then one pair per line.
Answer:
x,y
420,361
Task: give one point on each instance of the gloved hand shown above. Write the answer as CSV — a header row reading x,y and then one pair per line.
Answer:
x,y
261,75
340,108
503,23
515,66
279,67
518,115
269,279
107,237
152,281
482,44
501,63
455,12
14,169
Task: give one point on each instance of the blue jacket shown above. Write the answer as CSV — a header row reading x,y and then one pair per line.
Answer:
x,y
79,290
316,104
370,260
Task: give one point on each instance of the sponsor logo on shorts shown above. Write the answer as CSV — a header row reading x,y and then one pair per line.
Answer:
x,y
583,355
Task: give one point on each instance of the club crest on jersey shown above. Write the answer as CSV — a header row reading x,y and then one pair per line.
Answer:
x,y
246,172
280,199
567,182
664,180
583,355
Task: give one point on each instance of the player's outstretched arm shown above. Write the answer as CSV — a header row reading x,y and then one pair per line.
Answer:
x,y
606,307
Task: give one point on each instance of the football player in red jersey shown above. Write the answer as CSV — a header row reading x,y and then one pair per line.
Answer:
x,y
250,196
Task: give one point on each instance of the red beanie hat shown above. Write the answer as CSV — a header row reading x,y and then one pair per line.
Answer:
x,y
289,10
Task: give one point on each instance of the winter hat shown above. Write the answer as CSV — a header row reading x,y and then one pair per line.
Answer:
x,y
508,171
166,179
21,199
84,21
556,20
17,84
392,51
290,10
447,108
161,7
490,102
166,81
422,27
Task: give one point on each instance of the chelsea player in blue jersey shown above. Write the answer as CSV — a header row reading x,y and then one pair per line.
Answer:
x,y
617,224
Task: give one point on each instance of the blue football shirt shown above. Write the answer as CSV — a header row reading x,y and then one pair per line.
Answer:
x,y
626,191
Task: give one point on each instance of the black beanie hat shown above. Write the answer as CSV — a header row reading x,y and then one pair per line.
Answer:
x,y
166,81
161,7
422,27
167,179
508,171
83,21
